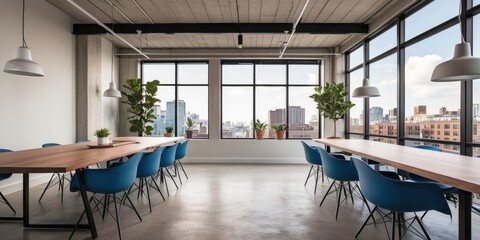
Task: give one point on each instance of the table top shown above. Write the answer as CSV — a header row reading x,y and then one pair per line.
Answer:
x,y
65,158
456,170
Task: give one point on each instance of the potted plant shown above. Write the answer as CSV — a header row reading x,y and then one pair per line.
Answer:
x,y
331,102
190,124
260,128
141,98
280,130
169,132
102,136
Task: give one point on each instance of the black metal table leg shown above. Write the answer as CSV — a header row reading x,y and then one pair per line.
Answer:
x,y
26,199
86,203
464,215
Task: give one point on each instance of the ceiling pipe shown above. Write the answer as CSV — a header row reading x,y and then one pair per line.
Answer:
x,y
285,45
143,11
120,11
106,28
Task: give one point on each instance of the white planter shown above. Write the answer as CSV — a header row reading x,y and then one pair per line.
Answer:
x,y
103,140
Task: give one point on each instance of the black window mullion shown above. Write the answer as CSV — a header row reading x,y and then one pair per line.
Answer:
x,y
254,87
466,105
366,101
401,81
287,103
176,99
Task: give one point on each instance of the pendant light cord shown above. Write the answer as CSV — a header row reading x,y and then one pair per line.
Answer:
x,y
238,17
113,46
23,25
460,20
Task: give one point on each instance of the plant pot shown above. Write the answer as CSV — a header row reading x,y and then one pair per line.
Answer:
x,y
189,133
103,141
334,138
168,134
260,134
280,134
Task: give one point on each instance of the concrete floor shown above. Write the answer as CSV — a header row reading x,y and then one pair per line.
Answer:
x,y
226,201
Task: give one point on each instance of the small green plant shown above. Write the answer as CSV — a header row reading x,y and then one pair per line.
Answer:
x,y
190,123
169,129
102,133
260,125
331,102
280,127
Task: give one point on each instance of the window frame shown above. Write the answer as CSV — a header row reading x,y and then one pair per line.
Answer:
x,y
176,85
253,85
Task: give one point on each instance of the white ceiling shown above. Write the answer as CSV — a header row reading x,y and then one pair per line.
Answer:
x,y
225,11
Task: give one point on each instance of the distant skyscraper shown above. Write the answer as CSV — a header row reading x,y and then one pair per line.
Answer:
x,y
476,110
392,112
442,111
376,114
296,115
420,109
170,117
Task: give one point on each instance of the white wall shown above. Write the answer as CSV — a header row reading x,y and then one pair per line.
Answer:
x,y
36,110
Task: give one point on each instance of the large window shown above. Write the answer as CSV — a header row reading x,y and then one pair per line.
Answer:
x,y
356,113
183,93
275,92
402,62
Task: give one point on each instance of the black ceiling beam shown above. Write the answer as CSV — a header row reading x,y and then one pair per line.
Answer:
x,y
309,28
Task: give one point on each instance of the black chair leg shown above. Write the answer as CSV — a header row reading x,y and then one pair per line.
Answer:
x,y
339,196
368,207
116,216
350,189
158,188
178,174
423,227
366,221
133,206
172,178
326,194
148,196
316,180
399,226
393,224
323,176
308,176
183,169
46,187
79,220
106,201
164,179
6,201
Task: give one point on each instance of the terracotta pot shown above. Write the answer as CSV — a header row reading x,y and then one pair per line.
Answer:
x,y
189,133
168,134
260,134
280,134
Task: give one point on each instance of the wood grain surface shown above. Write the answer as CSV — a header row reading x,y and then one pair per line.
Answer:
x,y
65,158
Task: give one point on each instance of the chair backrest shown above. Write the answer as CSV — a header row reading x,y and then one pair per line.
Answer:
x,y
399,196
2,150
311,154
428,147
45,145
336,168
168,155
150,163
181,150
4,176
82,140
110,180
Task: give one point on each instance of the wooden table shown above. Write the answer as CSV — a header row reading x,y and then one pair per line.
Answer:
x,y
66,158
459,171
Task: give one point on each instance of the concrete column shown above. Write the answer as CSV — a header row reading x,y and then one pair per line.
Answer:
x,y
214,99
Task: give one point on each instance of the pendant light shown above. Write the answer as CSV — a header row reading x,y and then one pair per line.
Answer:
x,y
366,90
240,41
240,36
112,90
23,64
462,66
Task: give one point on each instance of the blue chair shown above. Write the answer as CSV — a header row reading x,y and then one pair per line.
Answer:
x,y
180,154
4,176
60,176
109,182
167,160
343,174
147,168
398,196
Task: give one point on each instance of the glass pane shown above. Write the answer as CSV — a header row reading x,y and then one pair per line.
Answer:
x,y
303,114
192,73
271,74
354,136
237,73
164,72
450,148
476,84
193,102
382,139
430,16
165,111
303,74
383,109
270,107
356,57
383,42
237,112
476,2
428,103
356,113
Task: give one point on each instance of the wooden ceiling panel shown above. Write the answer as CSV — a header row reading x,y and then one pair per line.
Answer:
x,y
268,11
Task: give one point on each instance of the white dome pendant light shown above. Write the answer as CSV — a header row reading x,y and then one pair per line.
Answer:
x,y
462,66
112,90
23,64
366,90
